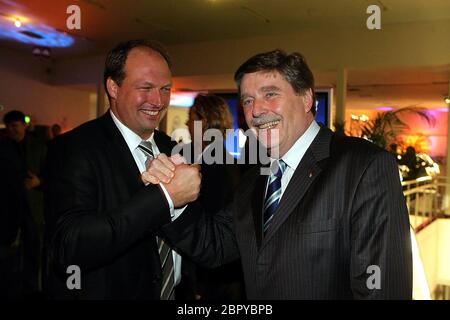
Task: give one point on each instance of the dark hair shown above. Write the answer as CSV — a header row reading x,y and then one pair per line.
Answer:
x,y
292,67
14,116
116,58
215,110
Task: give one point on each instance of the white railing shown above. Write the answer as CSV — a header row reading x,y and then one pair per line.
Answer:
x,y
426,199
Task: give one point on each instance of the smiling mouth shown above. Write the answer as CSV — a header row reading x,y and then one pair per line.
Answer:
x,y
151,112
268,125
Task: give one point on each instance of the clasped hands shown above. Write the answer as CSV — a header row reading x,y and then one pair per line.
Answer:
x,y
182,181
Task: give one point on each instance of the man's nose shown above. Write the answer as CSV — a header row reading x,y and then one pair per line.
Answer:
x,y
155,97
259,108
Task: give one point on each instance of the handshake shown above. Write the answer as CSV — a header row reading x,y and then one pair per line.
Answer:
x,y
182,181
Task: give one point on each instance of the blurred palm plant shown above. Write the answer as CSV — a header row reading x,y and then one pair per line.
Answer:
x,y
339,128
386,126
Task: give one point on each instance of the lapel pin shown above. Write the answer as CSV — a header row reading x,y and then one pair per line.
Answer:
x,y
310,174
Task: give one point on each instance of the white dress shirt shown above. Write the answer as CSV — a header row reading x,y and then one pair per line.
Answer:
x,y
133,141
295,154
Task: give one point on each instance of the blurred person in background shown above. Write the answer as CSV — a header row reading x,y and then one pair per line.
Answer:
x,y
31,152
13,209
219,180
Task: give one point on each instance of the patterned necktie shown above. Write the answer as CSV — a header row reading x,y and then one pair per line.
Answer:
x,y
165,253
168,276
146,148
273,194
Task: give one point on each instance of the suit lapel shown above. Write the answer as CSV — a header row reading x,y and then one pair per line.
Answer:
x,y
303,177
306,173
163,143
122,159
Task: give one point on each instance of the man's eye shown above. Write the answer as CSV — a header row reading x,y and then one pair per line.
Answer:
x,y
246,102
166,90
270,94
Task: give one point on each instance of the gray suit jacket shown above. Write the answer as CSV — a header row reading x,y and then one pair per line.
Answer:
x,y
341,230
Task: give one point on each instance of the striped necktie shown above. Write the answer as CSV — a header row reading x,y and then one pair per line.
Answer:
x,y
273,194
146,148
167,267
165,253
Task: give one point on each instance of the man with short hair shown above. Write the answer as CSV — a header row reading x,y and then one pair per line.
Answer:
x,y
328,222
102,218
32,154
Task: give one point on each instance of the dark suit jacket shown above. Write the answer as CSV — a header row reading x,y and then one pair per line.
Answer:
x,y
35,152
219,181
342,212
13,201
101,217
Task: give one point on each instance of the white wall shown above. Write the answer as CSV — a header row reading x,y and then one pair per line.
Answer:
x,y
428,243
434,246
417,44
443,253
23,86
73,71
326,50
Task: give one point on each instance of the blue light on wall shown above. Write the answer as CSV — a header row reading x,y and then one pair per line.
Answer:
x,y
233,142
36,34
322,107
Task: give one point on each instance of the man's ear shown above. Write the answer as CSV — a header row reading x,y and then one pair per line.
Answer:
x,y
112,87
308,100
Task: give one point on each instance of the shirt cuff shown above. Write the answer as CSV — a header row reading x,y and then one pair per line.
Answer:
x,y
174,213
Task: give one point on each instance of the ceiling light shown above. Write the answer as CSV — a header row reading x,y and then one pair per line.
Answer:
x,y
363,117
17,23
182,99
447,100
385,108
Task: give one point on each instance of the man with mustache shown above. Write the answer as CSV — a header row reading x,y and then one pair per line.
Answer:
x,y
100,216
328,222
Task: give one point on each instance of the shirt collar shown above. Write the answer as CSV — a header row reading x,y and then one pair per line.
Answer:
x,y
131,138
295,154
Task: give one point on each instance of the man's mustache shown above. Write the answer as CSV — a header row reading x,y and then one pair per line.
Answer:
x,y
256,122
